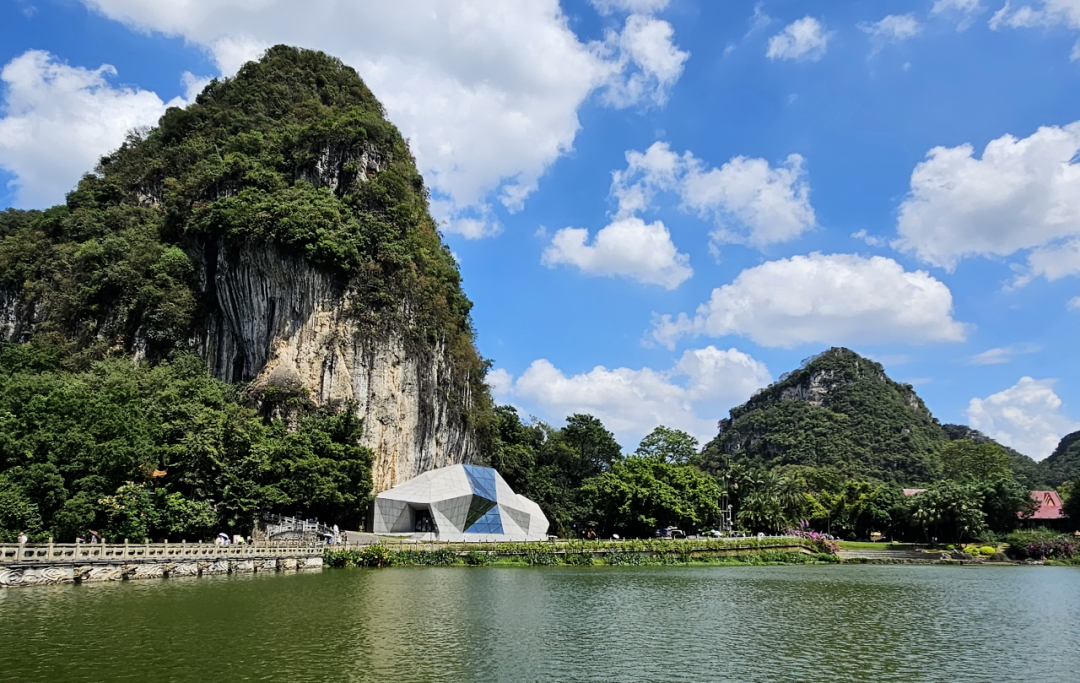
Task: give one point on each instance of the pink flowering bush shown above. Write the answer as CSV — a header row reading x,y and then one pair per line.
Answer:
x,y
820,541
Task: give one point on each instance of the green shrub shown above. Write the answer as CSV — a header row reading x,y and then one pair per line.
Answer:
x,y
987,550
478,558
619,558
374,556
410,556
541,557
578,558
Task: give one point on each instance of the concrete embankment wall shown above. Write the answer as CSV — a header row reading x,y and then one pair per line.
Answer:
x,y
55,564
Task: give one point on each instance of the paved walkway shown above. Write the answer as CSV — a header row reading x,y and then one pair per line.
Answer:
x,y
891,555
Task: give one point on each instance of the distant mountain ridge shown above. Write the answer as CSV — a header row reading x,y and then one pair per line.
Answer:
x,y
840,410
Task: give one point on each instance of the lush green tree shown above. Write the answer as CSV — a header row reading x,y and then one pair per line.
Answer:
x,y
639,495
1005,502
760,511
17,513
858,509
1071,503
549,465
129,513
950,510
966,460
596,447
672,446
182,518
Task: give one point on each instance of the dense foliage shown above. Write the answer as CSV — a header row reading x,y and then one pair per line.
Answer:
x,y
1064,463
1039,544
639,495
163,451
550,465
293,151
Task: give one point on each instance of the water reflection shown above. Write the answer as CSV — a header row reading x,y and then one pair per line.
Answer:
x,y
858,623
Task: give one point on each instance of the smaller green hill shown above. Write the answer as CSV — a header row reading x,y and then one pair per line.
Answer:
x,y
838,410
1064,463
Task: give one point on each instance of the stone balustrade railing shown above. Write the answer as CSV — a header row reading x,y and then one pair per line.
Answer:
x,y
68,553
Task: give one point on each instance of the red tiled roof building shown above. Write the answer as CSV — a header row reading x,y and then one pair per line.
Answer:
x,y
1047,507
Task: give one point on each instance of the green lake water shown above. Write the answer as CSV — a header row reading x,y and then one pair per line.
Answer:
x,y
799,623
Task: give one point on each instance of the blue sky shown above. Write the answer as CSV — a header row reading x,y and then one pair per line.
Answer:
x,y
661,205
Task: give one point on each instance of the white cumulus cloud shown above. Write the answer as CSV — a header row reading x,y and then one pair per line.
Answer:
x,y
1042,14
1026,416
838,299
628,247
1053,261
752,202
500,381
961,11
895,28
487,91
647,44
805,40
690,396
58,119
632,6
749,200
1022,193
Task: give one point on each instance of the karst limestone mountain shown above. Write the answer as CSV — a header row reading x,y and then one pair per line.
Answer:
x,y
277,227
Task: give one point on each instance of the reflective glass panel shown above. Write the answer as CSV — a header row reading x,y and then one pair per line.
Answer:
x,y
482,480
489,523
478,508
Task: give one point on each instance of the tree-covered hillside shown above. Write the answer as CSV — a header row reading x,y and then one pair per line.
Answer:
x,y
839,410
1064,463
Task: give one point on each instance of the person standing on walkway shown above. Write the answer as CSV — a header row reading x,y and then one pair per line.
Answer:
x,y
22,538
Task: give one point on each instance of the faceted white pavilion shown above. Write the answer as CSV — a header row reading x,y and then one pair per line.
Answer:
x,y
459,503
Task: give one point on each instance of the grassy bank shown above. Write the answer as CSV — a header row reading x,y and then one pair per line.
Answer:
x,y
621,553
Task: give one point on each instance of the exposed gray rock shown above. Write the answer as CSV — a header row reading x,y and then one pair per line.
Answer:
x,y
281,323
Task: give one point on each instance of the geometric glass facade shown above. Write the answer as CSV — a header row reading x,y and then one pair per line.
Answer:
x,y
458,503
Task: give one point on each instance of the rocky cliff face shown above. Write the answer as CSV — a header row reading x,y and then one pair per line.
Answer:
x,y
278,322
